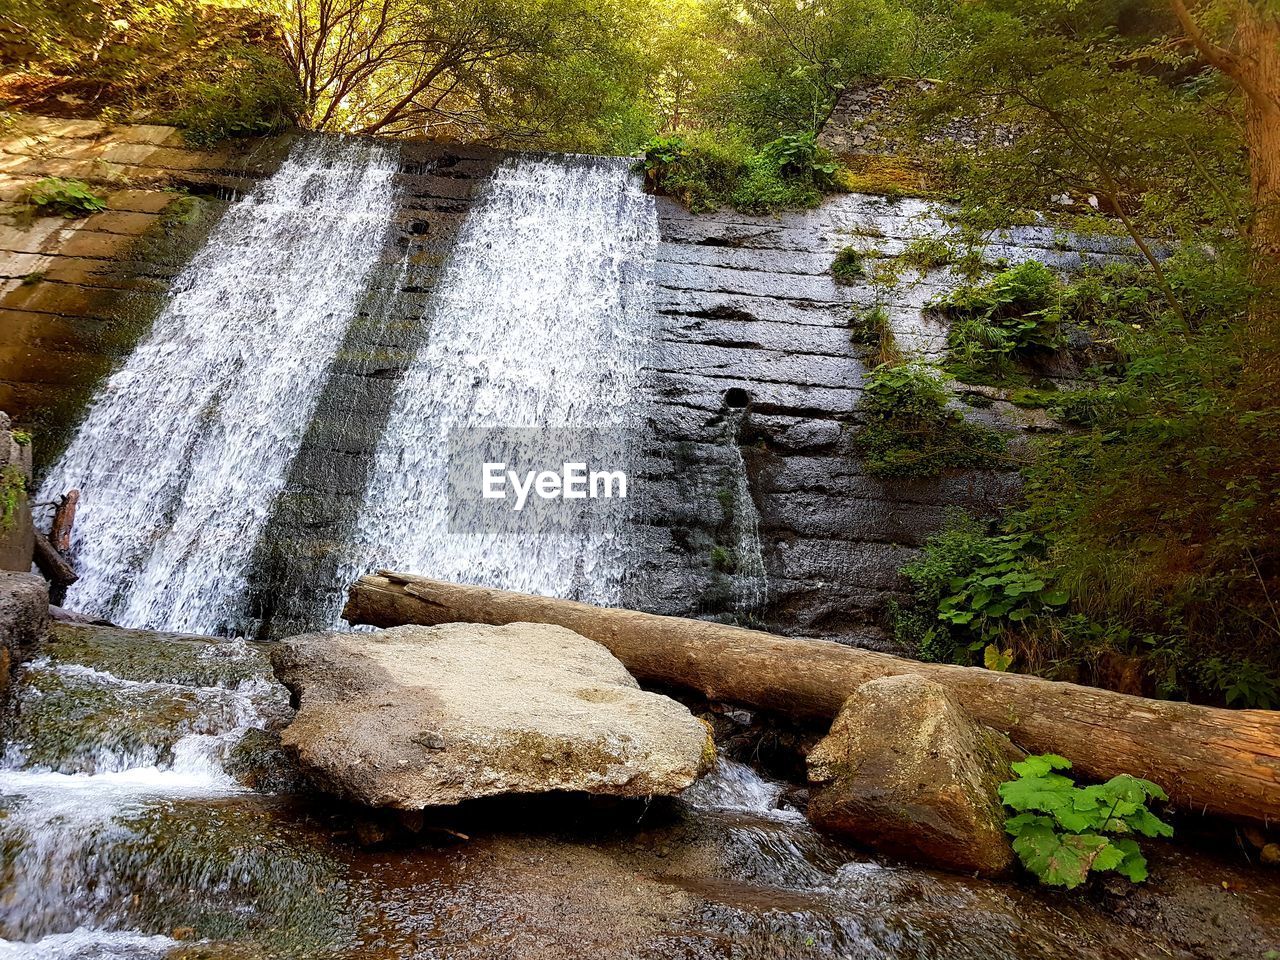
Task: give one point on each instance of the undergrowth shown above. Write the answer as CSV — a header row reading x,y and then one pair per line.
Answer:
x,y
909,431
1155,519
705,172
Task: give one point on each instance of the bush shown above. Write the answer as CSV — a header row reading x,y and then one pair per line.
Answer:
x,y
847,268
705,171
67,198
1006,319
909,431
972,589
252,93
1062,832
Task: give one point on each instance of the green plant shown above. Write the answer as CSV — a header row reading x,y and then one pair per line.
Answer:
x,y
21,437
1242,683
67,198
972,589
250,93
13,488
872,328
1063,832
926,253
847,268
1008,318
705,171
722,559
909,430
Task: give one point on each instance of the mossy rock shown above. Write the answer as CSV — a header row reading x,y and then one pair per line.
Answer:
x,y
148,657
70,721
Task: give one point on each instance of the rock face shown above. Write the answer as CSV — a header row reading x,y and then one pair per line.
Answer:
x,y
905,771
430,716
17,534
24,618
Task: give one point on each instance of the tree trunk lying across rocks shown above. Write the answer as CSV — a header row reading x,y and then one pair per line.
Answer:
x,y
1224,762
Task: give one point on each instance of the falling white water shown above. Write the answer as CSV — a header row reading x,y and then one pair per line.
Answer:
x,y
541,320
183,452
61,824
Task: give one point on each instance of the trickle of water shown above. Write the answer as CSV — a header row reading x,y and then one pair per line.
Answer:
x,y
184,450
750,580
540,321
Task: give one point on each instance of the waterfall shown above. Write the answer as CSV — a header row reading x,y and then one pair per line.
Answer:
x,y
182,453
540,321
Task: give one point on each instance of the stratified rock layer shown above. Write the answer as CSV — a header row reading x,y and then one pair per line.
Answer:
x,y
905,771
430,716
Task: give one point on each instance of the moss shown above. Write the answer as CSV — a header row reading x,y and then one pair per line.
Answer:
x,y
888,176
848,268
69,722
232,871
722,559
13,492
145,656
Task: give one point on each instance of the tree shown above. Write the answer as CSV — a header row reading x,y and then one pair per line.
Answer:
x,y
464,69
1242,39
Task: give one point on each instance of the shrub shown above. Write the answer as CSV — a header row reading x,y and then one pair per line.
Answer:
x,y
1062,832
1008,318
971,589
67,198
251,92
909,431
705,171
871,328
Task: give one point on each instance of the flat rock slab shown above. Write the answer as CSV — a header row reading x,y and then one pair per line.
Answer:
x,y
417,717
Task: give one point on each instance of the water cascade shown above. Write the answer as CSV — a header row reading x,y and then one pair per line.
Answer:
x,y
98,756
540,321
182,453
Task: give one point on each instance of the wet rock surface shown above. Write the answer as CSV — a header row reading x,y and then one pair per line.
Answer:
x,y
751,499
177,861
294,583
24,619
906,772
430,716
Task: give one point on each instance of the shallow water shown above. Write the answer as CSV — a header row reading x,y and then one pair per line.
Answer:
x,y
148,855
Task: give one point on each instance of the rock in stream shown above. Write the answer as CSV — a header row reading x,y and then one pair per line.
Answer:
x,y
418,717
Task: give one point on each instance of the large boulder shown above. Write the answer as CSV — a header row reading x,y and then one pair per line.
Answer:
x,y
416,717
24,619
905,771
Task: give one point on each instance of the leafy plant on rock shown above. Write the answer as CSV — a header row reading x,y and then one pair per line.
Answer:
x,y
847,268
1063,832
1006,319
910,431
66,198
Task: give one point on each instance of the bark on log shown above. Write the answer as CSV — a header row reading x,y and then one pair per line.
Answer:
x,y
1224,762
53,564
63,519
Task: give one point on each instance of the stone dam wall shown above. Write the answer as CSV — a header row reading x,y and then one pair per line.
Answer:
x,y
752,386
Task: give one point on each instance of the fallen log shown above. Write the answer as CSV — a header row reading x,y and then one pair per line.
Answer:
x,y
52,564
1224,762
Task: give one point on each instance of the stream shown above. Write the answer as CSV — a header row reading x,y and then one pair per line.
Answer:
x,y
128,832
